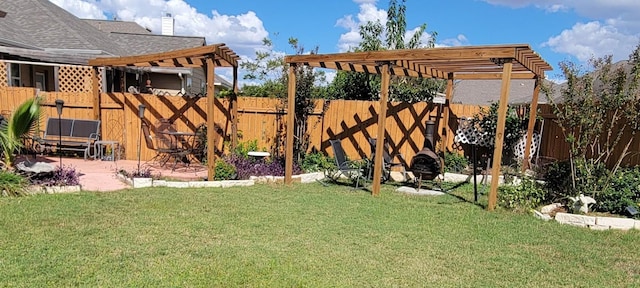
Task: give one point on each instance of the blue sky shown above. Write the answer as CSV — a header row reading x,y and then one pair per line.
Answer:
x,y
558,30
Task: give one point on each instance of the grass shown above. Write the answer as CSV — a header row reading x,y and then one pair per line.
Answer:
x,y
303,235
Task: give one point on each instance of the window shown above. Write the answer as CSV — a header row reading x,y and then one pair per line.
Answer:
x,y
41,81
15,75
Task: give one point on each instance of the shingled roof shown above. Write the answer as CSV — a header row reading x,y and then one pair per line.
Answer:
x,y
39,25
117,26
485,92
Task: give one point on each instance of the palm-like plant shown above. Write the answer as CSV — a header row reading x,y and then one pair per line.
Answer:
x,y
23,122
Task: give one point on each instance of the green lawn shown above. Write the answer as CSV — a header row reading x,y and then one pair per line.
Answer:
x,y
303,235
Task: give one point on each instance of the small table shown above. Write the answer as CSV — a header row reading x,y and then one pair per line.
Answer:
x,y
100,147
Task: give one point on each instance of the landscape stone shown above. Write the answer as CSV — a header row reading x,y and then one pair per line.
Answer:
x,y
414,191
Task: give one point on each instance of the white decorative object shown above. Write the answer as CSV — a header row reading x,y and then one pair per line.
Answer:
x,y
581,203
518,149
469,134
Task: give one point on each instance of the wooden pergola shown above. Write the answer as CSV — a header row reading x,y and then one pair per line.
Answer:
x,y
208,57
505,62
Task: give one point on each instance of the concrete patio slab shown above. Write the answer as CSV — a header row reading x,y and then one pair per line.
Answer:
x,y
98,175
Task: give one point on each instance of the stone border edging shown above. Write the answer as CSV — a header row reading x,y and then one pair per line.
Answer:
x,y
597,222
149,182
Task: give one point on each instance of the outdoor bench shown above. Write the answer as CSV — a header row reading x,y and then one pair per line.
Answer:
x,y
69,135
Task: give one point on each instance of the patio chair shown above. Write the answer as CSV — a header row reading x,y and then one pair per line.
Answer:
x,y
163,155
387,163
350,169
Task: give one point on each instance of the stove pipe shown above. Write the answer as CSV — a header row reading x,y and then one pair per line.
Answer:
x,y
430,130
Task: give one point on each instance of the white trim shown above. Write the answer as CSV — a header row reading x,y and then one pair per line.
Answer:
x,y
40,63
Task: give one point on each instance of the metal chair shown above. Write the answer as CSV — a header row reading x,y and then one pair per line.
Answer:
x,y
387,163
163,155
350,169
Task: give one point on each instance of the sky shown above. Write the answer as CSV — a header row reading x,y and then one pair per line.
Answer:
x,y
558,30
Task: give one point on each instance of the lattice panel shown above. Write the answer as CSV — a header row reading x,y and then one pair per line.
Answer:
x,y
468,134
74,78
518,150
3,74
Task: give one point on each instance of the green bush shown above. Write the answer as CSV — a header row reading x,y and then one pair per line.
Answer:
x,y
454,162
623,190
243,148
12,184
523,197
590,178
225,171
315,162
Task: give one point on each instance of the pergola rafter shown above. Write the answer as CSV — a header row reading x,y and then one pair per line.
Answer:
x,y
505,62
207,57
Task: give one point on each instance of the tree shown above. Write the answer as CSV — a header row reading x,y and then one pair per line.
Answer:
x,y
360,86
23,122
272,71
599,106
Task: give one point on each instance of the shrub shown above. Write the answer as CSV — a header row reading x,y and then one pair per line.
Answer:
x,y
590,177
61,176
454,162
143,173
243,148
246,167
12,184
523,197
315,162
224,170
623,190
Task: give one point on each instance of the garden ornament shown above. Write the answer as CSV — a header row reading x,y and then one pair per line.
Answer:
x,y
581,203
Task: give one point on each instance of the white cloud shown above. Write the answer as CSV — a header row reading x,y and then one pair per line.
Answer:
x,y
368,12
460,40
81,9
593,39
244,32
615,29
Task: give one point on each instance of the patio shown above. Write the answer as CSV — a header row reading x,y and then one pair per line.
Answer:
x,y
101,176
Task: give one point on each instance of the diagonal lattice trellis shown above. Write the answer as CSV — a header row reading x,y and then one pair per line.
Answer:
x,y
468,134
3,74
75,78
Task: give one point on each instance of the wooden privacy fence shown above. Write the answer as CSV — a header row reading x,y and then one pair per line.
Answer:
x,y
262,119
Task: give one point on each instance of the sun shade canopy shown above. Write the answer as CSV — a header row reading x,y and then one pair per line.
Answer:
x,y
470,62
193,57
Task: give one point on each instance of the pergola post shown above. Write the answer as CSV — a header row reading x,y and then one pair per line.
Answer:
x,y
382,119
291,118
532,122
445,115
95,85
211,129
234,110
502,116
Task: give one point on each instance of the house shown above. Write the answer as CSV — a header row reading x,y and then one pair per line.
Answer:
x,y
45,47
485,92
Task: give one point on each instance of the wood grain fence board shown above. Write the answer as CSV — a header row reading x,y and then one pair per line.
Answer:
x,y
261,119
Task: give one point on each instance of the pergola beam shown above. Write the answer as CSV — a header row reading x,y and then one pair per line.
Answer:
x,y
502,118
505,62
207,57
492,76
382,120
291,118
226,58
531,125
211,108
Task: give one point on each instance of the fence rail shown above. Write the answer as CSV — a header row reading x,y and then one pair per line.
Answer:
x,y
262,119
